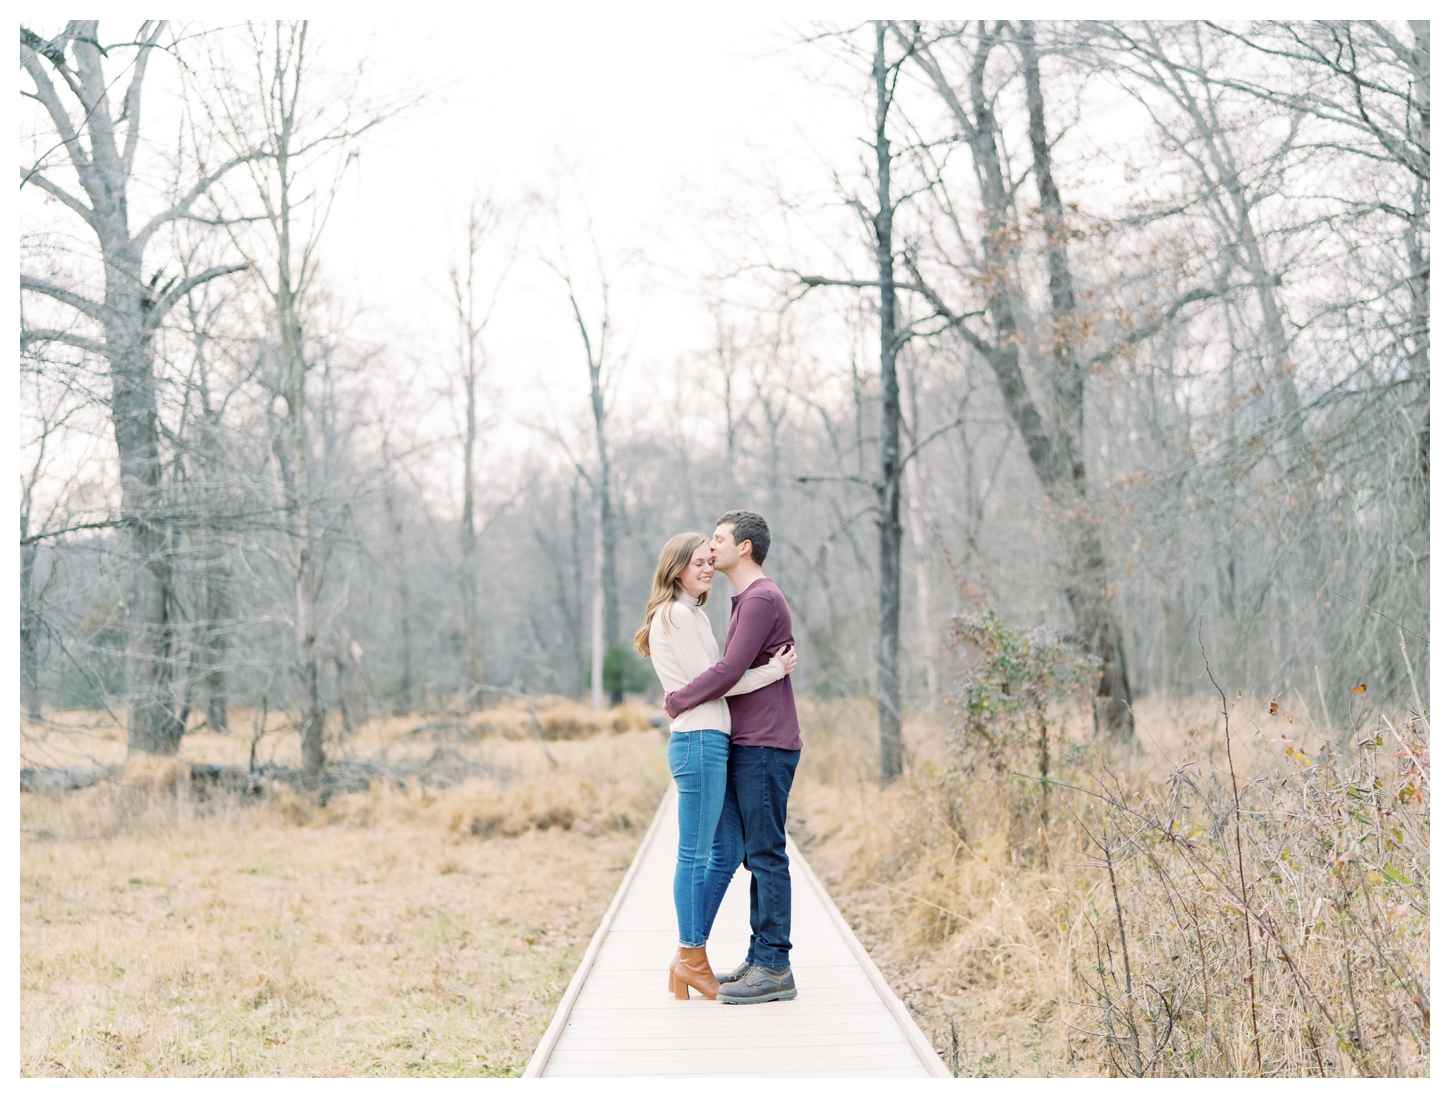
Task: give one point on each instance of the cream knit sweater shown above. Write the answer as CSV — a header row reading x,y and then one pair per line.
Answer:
x,y
682,646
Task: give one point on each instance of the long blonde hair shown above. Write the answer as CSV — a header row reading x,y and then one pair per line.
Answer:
x,y
667,587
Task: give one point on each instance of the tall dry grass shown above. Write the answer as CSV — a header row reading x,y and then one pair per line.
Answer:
x,y
413,930
83,737
1173,916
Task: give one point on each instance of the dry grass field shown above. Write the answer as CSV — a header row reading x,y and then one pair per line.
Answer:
x,y
1137,919
399,931
1008,939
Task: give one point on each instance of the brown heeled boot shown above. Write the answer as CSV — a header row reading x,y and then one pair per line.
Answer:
x,y
692,970
674,961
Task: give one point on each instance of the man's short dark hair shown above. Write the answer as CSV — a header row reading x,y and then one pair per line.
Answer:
x,y
749,526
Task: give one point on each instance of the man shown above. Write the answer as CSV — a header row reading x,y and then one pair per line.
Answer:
x,y
765,746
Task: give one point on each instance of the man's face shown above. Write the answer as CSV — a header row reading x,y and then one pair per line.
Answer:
x,y
722,546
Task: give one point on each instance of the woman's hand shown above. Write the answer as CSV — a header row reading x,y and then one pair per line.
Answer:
x,y
786,655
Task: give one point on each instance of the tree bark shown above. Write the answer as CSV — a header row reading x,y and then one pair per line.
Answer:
x,y
575,617
311,714
30,626
344,662
597,612
914,498
608,574
215,596
217,611
403,701
888,491
468,533
1067,371
468,573
605,617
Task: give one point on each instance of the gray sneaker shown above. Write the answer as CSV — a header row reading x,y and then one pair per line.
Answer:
x,y
729,977
759,985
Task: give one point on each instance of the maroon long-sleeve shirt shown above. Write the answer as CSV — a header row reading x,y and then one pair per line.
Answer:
x,y
759,625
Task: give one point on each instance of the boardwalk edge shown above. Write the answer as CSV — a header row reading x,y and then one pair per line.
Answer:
x,y
545,1048
923,1048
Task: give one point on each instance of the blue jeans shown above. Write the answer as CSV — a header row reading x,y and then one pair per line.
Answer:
x,y
752,832
697,761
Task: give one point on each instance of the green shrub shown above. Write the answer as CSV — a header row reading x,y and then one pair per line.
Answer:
x,y
623,671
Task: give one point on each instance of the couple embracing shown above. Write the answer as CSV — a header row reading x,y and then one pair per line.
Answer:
x,y
734,745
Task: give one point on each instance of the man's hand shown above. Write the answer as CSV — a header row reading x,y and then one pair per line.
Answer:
x,y
786,655
668,708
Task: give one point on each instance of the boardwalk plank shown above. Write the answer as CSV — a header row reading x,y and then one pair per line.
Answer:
x,y
617,1018
821,1031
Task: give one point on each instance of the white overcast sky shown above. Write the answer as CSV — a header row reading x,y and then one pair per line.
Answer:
x,y
660,119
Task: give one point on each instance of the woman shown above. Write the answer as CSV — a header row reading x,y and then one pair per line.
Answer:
x,y
679,642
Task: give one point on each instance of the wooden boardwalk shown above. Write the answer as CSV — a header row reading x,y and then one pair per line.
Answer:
x,y
617,1018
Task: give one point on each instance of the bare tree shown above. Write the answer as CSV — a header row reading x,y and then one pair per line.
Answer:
x,y
1378,90
1054,441
101,149
888,488
1098,364
1233,200
916,522
886,484
403,618
291,109
217,497
604,617
472,316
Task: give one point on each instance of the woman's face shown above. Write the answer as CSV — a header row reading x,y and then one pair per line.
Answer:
x,y
696,577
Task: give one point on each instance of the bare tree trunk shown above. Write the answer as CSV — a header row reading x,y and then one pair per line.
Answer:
x,y
605,630
30,626
188,691
214,598
1087,591
344,661
597,614
1418,263
152,726
301,123
129,314
914,506
888,491
608,577
403,702
1067,371
281,83
482,219
468,567
311,714
216,595
218,611
31,622
726,356
576,575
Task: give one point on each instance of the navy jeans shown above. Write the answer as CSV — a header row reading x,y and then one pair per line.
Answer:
x,y
697,763
752,832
